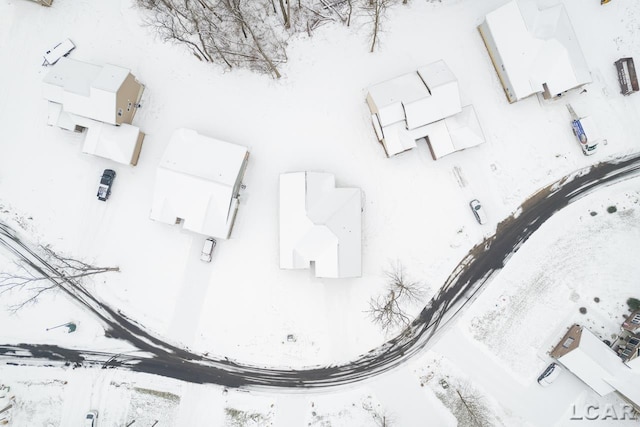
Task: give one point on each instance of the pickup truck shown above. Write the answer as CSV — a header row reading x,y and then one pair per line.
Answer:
x,y
106,181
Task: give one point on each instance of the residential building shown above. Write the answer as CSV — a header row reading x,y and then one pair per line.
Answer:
x,y
597,365
198,183
320,225
534,50
108,93
423,104
102,99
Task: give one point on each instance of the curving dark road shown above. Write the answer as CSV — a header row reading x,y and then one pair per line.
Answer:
x,y
150,354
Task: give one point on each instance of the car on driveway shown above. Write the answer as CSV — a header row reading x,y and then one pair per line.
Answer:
x,y
207,250
106,181
91,419
549,375
478,211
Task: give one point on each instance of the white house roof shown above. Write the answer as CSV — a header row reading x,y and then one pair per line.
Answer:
x,y
411,107
195,182
397,139
387,98
85,89
537,47
595,363
320,223
117,143
464,129
416,99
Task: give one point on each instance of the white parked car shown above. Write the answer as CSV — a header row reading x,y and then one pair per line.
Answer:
x,y
549,375
91,419
478,211
207,249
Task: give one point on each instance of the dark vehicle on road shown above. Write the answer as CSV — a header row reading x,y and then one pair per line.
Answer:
x,y
104,189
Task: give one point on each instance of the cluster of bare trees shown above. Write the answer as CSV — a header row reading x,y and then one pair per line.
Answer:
x,y
252,34
229,32
391,309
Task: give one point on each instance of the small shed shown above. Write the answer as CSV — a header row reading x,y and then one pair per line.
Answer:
x,y
320,224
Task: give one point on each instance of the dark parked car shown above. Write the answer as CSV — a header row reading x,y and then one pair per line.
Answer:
x,y
104,189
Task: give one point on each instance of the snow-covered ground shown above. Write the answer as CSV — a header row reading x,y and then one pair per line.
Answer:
x,y
416,211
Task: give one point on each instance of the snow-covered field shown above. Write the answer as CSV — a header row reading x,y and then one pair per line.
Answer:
x,y
242,305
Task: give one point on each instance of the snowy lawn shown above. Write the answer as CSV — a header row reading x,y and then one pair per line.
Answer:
x,y
315,118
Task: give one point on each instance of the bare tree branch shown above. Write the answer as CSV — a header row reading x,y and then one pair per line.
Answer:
x,y
389,310
33,285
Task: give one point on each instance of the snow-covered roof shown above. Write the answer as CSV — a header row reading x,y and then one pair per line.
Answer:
x,y
197,181
397,139
320,223
387,99
462,131
595,363
410,107
118,143
536,47
85,89
444,99
417,98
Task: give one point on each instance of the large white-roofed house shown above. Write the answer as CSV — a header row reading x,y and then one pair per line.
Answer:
x,y
102,99
534,50
417,105
197,183
320,223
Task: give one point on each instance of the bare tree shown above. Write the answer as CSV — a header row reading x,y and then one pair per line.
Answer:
x,y
376,10
468,406
34,282
261,44
286,13
381,417
389,310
